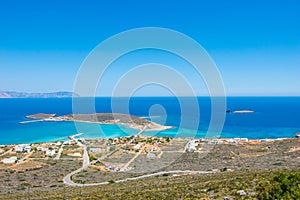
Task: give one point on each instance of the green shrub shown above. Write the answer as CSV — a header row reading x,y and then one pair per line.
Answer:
x,y
92,158
224,169
111,181
283,185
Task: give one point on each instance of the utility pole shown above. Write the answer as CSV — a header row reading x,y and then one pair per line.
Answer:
x,y
10,194
28,192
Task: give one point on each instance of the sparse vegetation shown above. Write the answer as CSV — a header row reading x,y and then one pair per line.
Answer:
x,y
213,186
241,172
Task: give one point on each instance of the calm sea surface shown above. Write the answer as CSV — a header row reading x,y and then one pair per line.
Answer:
x,y
274,117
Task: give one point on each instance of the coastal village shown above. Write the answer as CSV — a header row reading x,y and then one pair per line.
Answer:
x,y
117,149
14,155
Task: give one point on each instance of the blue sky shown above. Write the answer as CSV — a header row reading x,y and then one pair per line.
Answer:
x,y
255,44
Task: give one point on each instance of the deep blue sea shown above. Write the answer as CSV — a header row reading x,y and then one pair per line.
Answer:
x,y
274,117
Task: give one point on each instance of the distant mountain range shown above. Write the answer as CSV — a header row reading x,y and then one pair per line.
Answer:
x,y
12,94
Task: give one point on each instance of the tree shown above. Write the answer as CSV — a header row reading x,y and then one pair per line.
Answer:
x,y
92,157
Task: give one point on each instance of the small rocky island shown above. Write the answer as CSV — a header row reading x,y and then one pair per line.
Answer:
x,y
102,118
240,111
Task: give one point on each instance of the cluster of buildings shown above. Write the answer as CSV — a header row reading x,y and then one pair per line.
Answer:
x,y
20,148
50,152
150,144
48,148
223,140
191,146
194,145
237,140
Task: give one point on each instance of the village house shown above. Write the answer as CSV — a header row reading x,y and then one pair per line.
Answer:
x,y
137,146
95,150
77,154
50,152
10,160
40,148
27,148
21,147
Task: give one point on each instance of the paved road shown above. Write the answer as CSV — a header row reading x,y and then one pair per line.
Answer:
x,y
86,159
67,179
86,162
57,157
72,137
71,183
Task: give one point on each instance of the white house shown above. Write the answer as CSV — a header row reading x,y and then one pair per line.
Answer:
x,y
150,155
27,149
10,160
153,148
77,154
216,141
58,143
95,149
137,147
19,148
241,192
50,152
203,140
40,148
244,139
231,141
191,148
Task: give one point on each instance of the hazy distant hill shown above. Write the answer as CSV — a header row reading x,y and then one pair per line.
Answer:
x,y
12,94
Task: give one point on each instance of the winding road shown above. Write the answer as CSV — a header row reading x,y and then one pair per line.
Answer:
x,y
71,183
86,160
86,163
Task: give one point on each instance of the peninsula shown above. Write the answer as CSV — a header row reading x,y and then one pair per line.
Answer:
x,y
13,94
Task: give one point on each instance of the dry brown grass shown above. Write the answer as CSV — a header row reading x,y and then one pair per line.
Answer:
x,y
27,165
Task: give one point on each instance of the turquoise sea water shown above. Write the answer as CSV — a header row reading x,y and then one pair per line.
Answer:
x,y
274,117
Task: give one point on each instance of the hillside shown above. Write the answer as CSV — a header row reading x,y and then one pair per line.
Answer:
x,y
267,170
216,186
